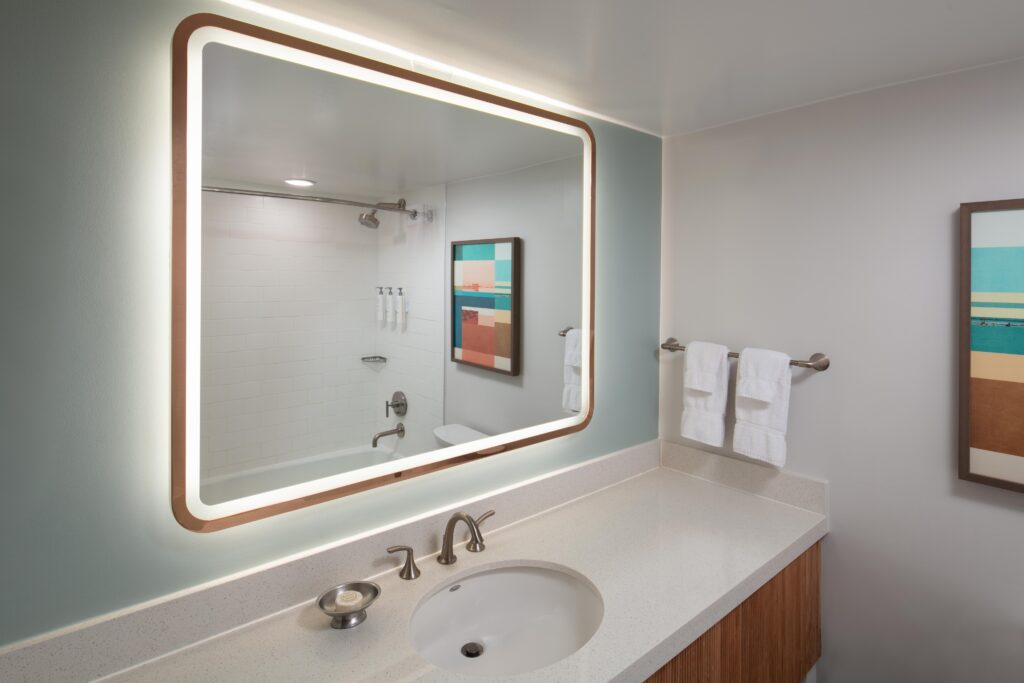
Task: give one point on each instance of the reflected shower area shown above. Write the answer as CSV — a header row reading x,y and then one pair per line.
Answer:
x,y
329,210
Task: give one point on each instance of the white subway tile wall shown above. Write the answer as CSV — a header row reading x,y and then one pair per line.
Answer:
x,y
288,310
411,254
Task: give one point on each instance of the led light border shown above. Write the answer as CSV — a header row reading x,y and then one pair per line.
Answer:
x,y
198,40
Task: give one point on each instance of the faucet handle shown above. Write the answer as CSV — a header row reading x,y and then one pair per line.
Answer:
x,y
399,402
473,546
409,571
481,518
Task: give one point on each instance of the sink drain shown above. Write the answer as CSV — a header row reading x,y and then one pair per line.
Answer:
x,y
472,650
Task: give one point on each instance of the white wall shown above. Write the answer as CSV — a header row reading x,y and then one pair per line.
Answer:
x,y
540,204
833,228
411,255
287,314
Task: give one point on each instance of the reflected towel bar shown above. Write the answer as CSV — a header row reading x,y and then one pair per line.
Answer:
x,y
817,361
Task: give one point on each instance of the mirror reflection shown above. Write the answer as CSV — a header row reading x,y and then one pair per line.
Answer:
x,y
383,274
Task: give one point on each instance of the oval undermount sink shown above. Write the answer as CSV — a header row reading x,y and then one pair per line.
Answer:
x,y
507,620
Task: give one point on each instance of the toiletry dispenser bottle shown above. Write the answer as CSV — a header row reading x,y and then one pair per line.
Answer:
x,y
390,305
400,307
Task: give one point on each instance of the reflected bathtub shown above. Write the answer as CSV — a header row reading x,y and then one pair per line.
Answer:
x,y
257,478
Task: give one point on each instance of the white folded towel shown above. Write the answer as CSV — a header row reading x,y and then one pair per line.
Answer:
x,y
571,372
762,405
705,392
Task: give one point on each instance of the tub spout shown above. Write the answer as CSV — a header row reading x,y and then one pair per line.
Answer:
x,y
399,430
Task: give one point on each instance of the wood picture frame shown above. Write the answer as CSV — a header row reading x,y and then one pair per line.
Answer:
x,y
499,339
991,345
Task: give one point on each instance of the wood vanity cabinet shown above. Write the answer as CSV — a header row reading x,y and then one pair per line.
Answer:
x,y
774,636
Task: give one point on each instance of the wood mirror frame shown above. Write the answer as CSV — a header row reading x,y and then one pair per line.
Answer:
x,y
179,359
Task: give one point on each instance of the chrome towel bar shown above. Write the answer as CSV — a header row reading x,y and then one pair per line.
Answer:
x,y
817,361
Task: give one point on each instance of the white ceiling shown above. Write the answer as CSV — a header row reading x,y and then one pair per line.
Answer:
x,y
265,120
676,66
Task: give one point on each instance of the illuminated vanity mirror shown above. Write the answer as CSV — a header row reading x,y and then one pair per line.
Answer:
x,y
372,269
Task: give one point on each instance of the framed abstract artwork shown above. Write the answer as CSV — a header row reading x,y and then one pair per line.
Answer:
x,y
992,343
486,303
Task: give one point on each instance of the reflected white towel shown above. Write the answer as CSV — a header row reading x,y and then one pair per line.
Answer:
x,y
705,392
380,305
572,370
762,405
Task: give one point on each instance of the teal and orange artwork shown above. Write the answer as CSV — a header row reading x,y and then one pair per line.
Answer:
x,y
485,305
997,339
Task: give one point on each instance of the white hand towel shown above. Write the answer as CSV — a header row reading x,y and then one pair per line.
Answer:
x,y
389,302
762,405
572,371
705,392
380,304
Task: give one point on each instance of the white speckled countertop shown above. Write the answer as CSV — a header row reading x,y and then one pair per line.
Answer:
x,y
670,553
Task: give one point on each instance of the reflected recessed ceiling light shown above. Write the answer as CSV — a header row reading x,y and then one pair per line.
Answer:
x,y
300,182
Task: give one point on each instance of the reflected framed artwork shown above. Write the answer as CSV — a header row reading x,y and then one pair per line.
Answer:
x,y
992,343
486,286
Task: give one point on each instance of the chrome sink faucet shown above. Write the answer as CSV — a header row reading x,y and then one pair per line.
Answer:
x,y
399,430
476,543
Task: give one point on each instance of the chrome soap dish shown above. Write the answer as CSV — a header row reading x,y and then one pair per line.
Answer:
x,y
346,604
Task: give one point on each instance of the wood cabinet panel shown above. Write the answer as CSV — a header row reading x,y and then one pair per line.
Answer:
x,y
774,636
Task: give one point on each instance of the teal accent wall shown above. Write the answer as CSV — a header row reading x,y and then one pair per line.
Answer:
x,y
85,290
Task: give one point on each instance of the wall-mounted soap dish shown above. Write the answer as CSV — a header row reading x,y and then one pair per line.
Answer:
x,y
346,604
374,359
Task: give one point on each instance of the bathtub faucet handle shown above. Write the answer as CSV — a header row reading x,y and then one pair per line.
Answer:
x,y
398,402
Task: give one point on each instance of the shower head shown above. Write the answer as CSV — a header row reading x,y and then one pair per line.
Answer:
x,y
369,220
